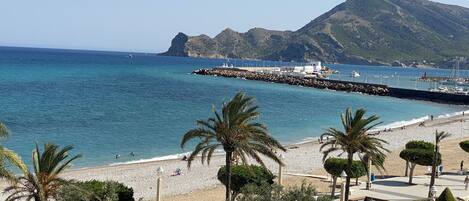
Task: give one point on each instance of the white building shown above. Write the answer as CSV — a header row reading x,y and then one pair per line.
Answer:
x,y
310,69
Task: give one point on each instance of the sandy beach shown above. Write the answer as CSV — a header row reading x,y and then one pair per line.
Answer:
x,y
200,183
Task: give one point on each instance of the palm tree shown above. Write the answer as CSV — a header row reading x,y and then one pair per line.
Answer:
x,y
43,182
7,155
235,131
354,139
439,136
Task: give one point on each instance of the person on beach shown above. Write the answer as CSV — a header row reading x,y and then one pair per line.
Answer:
x,y
462,165
117,156
466,182
431,117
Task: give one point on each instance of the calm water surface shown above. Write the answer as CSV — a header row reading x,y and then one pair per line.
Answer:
x,y
107,103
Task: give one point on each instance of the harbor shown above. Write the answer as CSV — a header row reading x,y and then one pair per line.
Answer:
x,y
317,76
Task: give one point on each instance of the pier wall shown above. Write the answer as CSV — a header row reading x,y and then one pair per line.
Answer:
x,y
438,97
340,85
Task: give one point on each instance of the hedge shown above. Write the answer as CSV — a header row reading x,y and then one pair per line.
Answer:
x,y
419,156
95,191
242,175
420,145
335,166
464,145
446,195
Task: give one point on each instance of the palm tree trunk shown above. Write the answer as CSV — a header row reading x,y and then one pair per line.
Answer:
x,y
334,184
406,169
349,174
368,174
432,178
411,172
228,175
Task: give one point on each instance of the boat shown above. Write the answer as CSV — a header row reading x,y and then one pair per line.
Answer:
x,y
355,74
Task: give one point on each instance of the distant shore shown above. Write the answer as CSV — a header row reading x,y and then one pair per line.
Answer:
x,y
300,158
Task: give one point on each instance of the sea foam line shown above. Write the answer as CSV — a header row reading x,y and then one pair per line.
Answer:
x,y
163,158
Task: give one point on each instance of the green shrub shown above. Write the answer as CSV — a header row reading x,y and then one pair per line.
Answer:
x,y
419,156
464,145
96,191
446,195
335,166
420,145
242,175
277,193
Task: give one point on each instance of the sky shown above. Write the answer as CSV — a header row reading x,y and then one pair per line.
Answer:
x,y
146,25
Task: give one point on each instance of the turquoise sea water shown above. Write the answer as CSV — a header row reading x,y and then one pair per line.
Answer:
x,y
107,103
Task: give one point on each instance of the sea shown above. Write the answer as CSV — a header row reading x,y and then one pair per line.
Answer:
x,y
138,106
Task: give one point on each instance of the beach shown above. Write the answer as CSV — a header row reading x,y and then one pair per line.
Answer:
x,y
302,158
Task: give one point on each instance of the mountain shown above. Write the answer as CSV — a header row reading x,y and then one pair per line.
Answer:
x,y
379,32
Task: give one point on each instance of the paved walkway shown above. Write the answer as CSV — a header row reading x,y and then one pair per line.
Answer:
x,y
397,188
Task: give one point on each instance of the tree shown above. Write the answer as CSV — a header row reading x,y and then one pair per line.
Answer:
x,y
235,131
43,182
335,166
368,162
354,139
278,193
446,195
7,155
439,136
464,145
417,157
416,144
243,175
95,190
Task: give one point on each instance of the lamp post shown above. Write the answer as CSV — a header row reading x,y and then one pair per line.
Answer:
x,y
280,170
368,181
342,186
159,173
433,192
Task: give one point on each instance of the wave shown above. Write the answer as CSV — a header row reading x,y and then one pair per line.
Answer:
x,y
162,158
452,114
399,124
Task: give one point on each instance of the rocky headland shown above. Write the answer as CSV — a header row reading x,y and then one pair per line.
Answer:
x,y
414,33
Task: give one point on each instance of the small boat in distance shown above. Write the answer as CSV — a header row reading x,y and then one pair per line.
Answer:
x,y
355,74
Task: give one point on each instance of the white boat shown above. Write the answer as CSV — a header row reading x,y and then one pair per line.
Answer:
x,y
355,74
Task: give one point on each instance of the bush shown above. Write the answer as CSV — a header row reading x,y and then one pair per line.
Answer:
x,y
335,166
420,145
419,156
464,145
278,193
242,175
96,191
446,195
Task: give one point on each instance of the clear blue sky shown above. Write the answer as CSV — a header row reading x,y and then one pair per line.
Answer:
x,y
145,25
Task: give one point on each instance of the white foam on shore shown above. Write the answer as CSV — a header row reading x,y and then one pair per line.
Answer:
x,y
444,116
399,124
163,158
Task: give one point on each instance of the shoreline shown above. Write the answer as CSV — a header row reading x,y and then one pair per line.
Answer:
x,y
303,158
178,156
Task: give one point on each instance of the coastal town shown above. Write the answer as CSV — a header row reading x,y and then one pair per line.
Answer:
x,y
337,100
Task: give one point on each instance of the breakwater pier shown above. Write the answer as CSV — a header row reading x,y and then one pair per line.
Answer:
x,y
338,85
